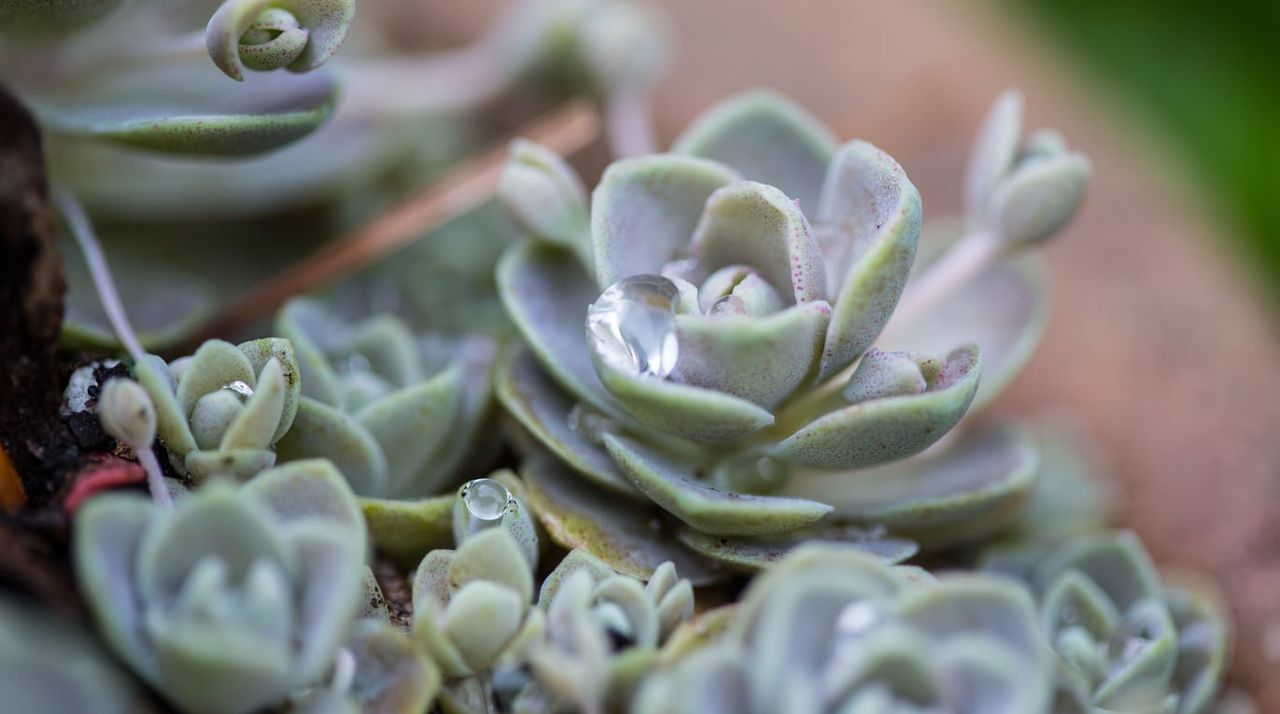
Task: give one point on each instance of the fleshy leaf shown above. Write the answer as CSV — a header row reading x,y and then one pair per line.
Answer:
x,y
760,359
753,554
406,530
965,492
682,410
881,430
993,152
392,675
189,107
1119,564
672,486
256,424
494,556
215,365
325,23
1039,198
50,17
481,620
546,292
1003,310
309,490
240,464
544,410
546,198
264,350
644,211
765,137
874,211
410,426
321,431
628,538
749,223
304,324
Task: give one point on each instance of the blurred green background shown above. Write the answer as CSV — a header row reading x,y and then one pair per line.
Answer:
x,y
1205,77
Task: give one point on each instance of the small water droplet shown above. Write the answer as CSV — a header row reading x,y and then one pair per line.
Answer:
x,y
727,305
239,387
355,364
486,499
632,326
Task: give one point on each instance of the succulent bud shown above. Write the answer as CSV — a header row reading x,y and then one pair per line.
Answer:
x,y
545,197
126,412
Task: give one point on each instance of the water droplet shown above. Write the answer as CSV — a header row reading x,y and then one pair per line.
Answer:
x,y
239,387
632,326
486,499
355,364
856,619
727,305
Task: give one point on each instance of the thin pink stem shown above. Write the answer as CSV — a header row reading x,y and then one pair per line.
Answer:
x,y
82,231
629,124
155,477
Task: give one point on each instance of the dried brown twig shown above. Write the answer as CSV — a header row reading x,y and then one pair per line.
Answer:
x,y
566,131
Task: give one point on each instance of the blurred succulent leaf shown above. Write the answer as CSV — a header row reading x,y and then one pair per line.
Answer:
x,y
392,675
753,554
406,530
299,35
705,508
24,19
546,198
765,137
322,431
186,107
994,150
412,424
628,539
1040,198
644,210
965,492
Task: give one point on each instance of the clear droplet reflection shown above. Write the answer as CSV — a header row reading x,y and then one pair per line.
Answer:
x,y
239,388
632,326
486,499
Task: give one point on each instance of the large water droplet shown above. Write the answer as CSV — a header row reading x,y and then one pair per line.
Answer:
x,y
486,499
632,326
240,388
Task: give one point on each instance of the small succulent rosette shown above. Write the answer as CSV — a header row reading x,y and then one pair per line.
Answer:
x,y
829,629
701,337
221,411
1126,641
472,609
236,597
601,637
50,665
396,412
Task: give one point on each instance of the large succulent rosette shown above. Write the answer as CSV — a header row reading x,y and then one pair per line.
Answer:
x,y
701,338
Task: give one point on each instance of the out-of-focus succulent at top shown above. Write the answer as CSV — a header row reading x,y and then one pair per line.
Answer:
x,y
832,630
602,632
221,410
45,18
47,665
727,366
398,414
236,597
1126,642
264,35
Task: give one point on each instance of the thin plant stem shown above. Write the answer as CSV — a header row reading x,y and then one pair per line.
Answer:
x,y
82,231
155,477
628,122
344,671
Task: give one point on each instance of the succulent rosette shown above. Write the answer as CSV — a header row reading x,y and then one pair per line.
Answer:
x,y
1126,641
397,412
701,337
221,411
829,629
236,597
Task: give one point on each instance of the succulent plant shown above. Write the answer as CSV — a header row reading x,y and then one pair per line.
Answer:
x,y
829,629
1126,642
731,293
50,665
221,410
602,633
471,608
237,596
398,414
